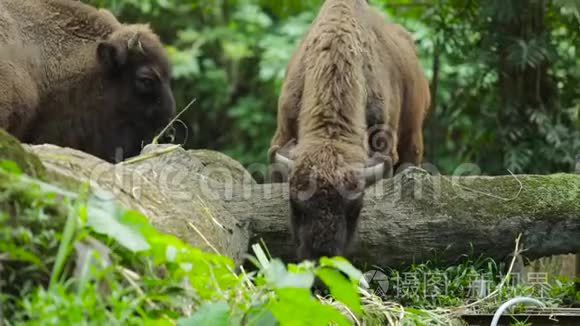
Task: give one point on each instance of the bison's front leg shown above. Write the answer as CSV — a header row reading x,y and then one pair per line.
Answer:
x,y
383,140
411,148
381,135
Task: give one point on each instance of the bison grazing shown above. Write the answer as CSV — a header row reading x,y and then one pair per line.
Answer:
x,y
353,102
73,76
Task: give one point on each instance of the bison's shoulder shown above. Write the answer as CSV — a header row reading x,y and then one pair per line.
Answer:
x,y
8,30
80,19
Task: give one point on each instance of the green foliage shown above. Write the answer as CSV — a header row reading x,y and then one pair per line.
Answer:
x,y
506,98
209,313
429,286
505,87
76,258
504,74
65,254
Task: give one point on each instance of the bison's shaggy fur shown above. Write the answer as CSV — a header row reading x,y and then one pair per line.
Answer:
x,y
73,76
353,89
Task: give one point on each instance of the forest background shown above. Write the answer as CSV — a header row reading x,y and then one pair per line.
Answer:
x,y
505,74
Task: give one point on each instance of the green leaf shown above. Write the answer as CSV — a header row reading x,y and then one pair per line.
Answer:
x,y
105,217
340,288
138,221
277,274
208,314
260,316
344,266
10,167
16,253
158,322
68,237
296,306
263,260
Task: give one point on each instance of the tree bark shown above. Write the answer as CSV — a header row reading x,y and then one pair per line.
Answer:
x,y
416,217
163,186
210,201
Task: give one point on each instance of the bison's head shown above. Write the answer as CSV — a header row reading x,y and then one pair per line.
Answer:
x,y
136,87
326,198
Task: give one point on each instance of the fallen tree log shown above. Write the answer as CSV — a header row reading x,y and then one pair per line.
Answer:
x,y
416,217
211,201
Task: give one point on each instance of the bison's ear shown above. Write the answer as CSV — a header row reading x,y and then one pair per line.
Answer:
x,y
111,55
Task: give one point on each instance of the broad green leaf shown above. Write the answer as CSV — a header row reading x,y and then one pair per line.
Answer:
x,y
341,288
295,306
260,316
277,274
208,314
103,218
298,280
138,221
344,266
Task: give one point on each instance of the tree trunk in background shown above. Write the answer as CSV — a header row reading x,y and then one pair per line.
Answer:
x,y
520,83
524,87
577,256
434,134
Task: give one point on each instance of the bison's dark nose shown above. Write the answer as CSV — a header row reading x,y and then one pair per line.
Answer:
x,y
163,110
171,105
160,115
326,251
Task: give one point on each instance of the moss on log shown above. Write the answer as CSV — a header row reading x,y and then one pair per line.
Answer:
x,y
11,149
416,217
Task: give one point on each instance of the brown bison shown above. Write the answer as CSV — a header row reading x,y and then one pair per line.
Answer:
x,y
352,105
73,76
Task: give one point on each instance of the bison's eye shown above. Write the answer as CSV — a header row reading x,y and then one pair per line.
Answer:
x,y
146,80
145,84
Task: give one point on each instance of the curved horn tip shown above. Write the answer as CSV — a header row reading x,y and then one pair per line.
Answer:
x,y
374,173
131,40
134,42
279,158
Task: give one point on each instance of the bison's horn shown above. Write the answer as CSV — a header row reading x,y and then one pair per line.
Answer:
x,y
377,168
284,160
132,42
135,44
373,174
